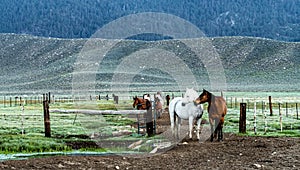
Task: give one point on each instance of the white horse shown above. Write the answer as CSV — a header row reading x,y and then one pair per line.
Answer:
x,y
190,96
185,108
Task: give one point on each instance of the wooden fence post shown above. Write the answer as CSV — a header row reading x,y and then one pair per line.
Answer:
x,y
286,109
248,105
270,105
255,131
297,109
266,123
242,127
46,119
280,117
49,97
262,107
235,102
22,120
149,122
154,116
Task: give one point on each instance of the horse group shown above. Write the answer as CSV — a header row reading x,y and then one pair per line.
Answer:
x,y
189,107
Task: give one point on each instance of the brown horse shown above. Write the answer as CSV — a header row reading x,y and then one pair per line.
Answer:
x,y
141,104
158,100
145,104
216,110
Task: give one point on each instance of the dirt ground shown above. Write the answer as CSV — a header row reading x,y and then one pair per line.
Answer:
x,y
235,152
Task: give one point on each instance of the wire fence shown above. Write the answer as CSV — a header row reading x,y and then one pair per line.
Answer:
x,y
25,114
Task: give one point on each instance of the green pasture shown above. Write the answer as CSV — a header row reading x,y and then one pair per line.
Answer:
x,y
64,127
266,125
76,128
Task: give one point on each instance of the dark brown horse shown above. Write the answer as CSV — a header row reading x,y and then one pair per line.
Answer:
x,y
217,110
141,104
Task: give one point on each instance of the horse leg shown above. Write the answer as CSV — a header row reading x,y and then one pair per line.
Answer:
x,y
217,122
175,127
219,131
211,122
178,126
221,123
172,120
198,128
191,127
159,112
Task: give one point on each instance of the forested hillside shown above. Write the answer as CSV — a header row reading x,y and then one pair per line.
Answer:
x,y
275,19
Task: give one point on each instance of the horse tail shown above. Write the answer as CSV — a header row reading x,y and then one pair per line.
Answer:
x,y
172,107
172,111
175,114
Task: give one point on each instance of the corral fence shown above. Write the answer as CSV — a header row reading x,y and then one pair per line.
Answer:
x,y
266,115
261,112
25,119
279,106
18,100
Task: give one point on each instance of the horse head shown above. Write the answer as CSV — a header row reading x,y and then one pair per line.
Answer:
x,y
135,101
189,96
205,96
159,99
141,104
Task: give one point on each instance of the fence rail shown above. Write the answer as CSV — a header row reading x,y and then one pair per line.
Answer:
x,y
101,112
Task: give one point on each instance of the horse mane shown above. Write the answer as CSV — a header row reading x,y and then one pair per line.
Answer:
x,y
210,95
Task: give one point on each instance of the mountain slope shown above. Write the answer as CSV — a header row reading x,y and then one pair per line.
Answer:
x,y
36,64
